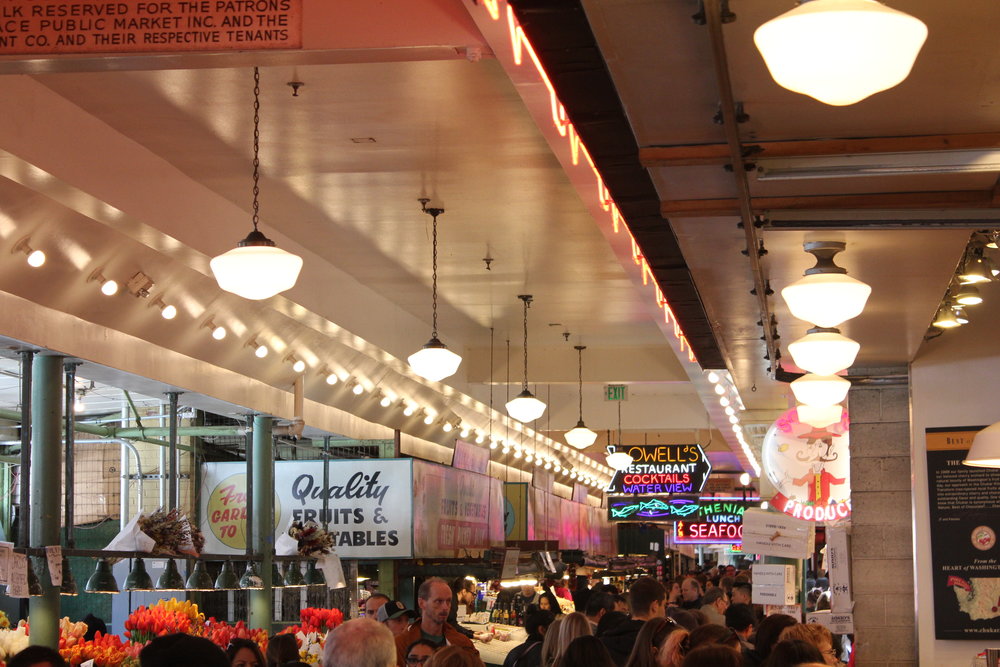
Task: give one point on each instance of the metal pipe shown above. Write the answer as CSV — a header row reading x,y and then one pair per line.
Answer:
x,y
262,476
46,469
123,500
173,477
326,480
24,472
727,104
103,431
69,392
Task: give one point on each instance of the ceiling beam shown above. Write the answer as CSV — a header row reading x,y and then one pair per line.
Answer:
x,y
708,154
948,199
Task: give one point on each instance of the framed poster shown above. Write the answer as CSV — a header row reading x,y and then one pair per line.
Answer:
x,y
965,520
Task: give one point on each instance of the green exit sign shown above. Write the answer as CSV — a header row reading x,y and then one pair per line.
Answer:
x,y
616,392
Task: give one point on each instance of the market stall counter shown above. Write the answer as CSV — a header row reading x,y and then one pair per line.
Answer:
x,y
501,640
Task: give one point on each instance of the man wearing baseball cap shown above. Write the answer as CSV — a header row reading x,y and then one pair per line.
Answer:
x,y
395,616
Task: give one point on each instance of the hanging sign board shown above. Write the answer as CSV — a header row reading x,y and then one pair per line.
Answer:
x,y
772,534
454,511
98,26
662,469
370,504
665,508
809,467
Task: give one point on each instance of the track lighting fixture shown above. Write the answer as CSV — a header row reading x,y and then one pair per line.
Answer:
x,y
464,432
946,319
409,410
357,388
167,311
331,378
256,268
976,269
968,295
480,438
385,400
525,407
434,361
428,417
35,258
108,287
259,349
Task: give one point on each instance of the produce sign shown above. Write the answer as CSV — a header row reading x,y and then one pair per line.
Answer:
x,y
662,469
653,508
369,504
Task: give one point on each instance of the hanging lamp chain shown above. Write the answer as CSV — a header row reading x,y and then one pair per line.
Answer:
x,y
256,146
526,298
434,276
579,350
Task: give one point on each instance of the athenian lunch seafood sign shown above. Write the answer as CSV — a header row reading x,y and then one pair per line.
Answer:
x,y
369,504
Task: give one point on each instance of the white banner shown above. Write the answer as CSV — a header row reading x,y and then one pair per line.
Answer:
x,y
370,504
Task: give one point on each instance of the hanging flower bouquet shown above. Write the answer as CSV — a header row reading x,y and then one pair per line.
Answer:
x,y
173,533
313,541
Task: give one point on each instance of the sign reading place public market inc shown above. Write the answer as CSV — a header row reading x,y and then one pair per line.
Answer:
x,y
662,470
369,504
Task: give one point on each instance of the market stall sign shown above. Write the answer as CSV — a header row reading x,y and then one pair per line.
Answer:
x,y
58,26
702,532
369,504
664,508
662,469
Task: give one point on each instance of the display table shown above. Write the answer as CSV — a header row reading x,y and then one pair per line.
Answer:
x,y
495,651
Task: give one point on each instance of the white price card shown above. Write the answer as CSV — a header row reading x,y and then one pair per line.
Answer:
x,y
6,549
17,581
53,555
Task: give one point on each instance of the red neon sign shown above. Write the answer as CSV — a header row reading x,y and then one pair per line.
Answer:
x,y
521,45
708,533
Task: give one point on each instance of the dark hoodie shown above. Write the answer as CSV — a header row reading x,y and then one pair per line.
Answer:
x,y
620,640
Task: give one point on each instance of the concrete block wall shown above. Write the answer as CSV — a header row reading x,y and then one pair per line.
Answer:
x,y
882,525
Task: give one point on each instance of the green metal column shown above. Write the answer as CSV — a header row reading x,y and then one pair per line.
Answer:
x,y
262,483
46,486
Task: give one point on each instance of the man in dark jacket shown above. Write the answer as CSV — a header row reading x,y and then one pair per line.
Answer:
x,y
529,654
648,599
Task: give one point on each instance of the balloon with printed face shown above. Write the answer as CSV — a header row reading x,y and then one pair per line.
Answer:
x,y
809,467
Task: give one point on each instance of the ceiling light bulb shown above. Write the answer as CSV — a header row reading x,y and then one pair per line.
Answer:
x,y
493,444
480,438
720,390
824,351
218,333
358,389
331,378
386,401
713,377
744,479
261,351
729,411
960,314
820,390
109,287
946,319
505,450
528,458
548,464
826,299
737,429
819,417
409,410
840,51
517,453
538,460
733,419
36,258
434,361
429,419
968,295
464,433
299,366
447,427
724,402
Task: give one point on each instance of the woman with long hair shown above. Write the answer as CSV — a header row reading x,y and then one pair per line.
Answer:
x,y
281,649
652,635
550,645
574,625
792,652
587,651
713,655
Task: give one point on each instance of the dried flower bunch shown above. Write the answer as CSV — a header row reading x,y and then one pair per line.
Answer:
x,y
312,539
173,533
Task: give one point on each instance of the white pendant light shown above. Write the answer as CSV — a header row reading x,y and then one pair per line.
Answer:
x,y
820,390
840,51
580,436
819,417
619,460
826,296
985,450
434,361
525,407
824,351
256,269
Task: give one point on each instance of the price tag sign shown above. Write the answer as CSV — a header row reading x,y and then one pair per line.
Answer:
x,y
53,555
17,582
6,549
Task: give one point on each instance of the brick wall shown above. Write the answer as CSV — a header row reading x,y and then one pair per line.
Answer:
x,y
882,527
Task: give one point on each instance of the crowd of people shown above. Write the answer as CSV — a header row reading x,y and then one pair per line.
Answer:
x,y
693,621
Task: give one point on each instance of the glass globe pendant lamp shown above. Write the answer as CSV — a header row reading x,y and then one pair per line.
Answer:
x,y
580,436
824,351
820,390
525,407
826,295
840,51
256,268
434,361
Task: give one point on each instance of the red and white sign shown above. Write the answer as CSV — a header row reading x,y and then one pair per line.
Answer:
x,y
810,468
